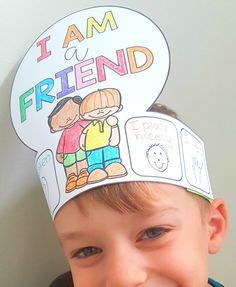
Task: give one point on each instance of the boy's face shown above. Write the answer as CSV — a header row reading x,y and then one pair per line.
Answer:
x,y
165,247
100,114
66,117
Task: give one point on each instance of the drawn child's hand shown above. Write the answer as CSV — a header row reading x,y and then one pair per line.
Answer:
x,y
114,141
59,157
115,136
82,141
112,121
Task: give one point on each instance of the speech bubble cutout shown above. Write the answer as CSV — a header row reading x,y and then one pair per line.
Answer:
x,y
154,143
88,50
195,162
46,170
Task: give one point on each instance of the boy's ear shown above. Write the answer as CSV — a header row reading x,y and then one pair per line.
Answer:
x,y
52,131
217,225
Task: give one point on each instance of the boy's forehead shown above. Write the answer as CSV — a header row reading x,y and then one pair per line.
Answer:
x,y
97,217
163,197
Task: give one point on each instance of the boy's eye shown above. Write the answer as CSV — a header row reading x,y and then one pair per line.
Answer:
x,y
153,233
86,252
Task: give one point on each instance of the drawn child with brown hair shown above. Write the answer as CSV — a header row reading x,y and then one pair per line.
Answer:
x,y
100,139
65,116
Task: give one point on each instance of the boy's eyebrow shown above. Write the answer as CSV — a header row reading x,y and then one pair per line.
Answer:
x,y
160,210
66,236
70,235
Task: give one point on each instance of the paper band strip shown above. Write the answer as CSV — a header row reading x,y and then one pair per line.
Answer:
x,y
152,147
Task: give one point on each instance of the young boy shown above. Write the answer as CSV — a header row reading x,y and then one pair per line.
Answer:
x,y
141,234
147,218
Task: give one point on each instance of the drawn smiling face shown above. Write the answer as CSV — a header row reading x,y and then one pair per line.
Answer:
x,y
157,157
66,117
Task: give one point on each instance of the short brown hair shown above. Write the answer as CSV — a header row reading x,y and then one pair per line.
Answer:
x,y
126,197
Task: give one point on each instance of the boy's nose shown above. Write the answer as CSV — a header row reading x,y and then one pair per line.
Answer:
x,y
125,269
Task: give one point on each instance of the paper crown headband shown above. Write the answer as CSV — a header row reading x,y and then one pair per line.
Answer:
x,y
79,99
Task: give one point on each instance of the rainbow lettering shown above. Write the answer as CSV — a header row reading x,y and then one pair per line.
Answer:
x,y
86,73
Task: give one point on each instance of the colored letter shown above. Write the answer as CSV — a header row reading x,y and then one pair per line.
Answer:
x,y
120,69
132,59
43,45
65,89
42,94
73,33
24,105
73,52
108,18
79,74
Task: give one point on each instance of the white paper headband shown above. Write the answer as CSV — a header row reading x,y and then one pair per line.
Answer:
x,y
150,147
79,99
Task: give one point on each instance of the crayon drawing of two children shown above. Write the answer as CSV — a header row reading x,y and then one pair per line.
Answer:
x,y
89,144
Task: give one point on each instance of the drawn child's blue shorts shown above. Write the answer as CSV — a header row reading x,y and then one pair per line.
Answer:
x,y
102,157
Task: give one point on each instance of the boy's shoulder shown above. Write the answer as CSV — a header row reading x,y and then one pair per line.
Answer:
x,y
213,283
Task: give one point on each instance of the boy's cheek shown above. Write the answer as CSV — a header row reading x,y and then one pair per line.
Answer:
x,y
87,277
179,262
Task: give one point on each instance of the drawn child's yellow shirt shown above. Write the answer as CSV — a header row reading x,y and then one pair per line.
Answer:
x,y
97,135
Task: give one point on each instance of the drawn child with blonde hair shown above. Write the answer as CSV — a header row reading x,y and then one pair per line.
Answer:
x,y
100,139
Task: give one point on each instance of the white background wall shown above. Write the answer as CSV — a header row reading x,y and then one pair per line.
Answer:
x,y
201,88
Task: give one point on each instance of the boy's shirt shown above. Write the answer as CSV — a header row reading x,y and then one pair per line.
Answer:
x,y
214,283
